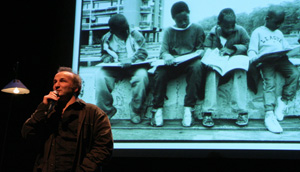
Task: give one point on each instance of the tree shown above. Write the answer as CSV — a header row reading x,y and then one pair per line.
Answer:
x,y
257,18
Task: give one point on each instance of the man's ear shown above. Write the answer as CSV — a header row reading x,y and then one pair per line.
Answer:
x,y
75,89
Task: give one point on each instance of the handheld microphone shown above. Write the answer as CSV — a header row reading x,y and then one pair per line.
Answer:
x,y
52,102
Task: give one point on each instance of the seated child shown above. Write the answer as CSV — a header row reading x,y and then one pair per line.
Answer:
x,y
231,39
183,38
267,39
124,46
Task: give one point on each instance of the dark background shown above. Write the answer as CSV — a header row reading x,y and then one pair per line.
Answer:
x,y
39,35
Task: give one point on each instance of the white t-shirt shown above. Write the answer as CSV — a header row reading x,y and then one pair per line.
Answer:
x,y
264,40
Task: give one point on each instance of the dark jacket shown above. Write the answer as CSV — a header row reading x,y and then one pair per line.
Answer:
x,y
239,40
94,136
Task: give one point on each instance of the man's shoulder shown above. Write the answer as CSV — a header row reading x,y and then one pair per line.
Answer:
x,y
87,105
92,106
93,110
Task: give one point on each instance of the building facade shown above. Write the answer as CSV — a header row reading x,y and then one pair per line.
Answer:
x,y
143,15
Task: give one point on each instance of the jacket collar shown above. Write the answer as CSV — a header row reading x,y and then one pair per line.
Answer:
x,y
216,30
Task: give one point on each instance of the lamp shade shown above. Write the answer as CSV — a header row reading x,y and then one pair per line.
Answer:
x,y
15,87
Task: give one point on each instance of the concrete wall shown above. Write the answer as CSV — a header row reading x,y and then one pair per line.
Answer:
x,y
173,108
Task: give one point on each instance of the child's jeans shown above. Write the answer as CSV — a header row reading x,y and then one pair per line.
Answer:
x,y
193,70
290,74
238,91
105,82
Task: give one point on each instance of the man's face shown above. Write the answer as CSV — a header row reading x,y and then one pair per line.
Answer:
x,y
182,19
227,25
63,84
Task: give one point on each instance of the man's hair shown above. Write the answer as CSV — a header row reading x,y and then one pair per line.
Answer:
x,y
179,7
118,22
76,79
226,12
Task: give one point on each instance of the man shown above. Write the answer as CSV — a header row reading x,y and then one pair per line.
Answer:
x,y
74,135
124,46
181,39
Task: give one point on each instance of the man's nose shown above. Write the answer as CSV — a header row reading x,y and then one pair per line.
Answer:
x,y
56,85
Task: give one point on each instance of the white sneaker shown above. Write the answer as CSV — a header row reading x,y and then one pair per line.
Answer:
x,y
271,123
187,119
280,109
158,120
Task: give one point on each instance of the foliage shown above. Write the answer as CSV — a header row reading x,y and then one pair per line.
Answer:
x,y
257,18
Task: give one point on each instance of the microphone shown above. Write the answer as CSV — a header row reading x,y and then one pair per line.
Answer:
x,y
52,102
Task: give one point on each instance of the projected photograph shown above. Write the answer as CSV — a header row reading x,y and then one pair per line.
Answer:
x,y
192,71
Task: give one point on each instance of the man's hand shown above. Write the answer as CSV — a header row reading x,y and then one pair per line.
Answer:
x,y
169,60
51,96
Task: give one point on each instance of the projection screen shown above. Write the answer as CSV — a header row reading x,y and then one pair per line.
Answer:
x,y
151,18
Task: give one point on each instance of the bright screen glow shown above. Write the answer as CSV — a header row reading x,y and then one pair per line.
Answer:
x,y
152,18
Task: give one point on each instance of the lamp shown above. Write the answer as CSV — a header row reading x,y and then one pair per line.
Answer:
x,y
16,86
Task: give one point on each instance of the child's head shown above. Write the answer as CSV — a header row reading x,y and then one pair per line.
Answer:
x,y
274,19
227,20
119,26
180,14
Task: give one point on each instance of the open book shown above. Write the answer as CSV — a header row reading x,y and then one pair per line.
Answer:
x,y
178,60
224,64
279,54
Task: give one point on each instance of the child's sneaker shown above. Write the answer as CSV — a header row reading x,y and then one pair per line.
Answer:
x,y
271,123
157,120
208,120
280,109
242,119
187,119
